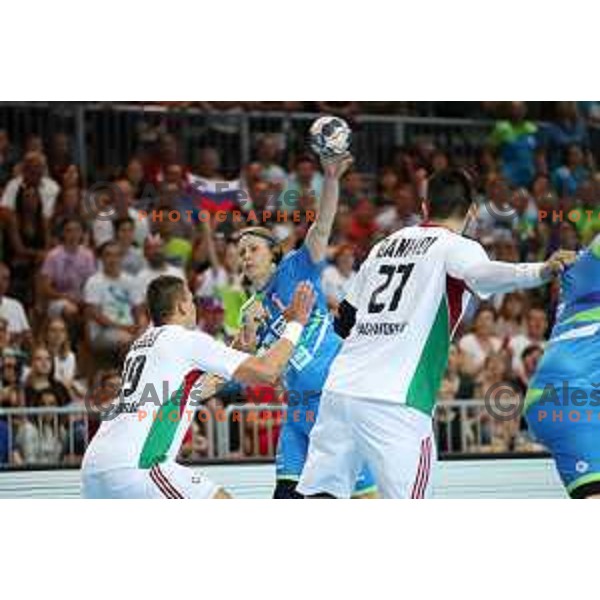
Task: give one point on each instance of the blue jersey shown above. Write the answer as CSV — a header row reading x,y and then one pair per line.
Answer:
x,y
308,367
563,401
574,346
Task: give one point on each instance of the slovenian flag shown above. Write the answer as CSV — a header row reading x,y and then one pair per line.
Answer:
x,y
214,196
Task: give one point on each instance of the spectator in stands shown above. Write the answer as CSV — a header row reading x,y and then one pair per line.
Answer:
x,y
56,339
211,313
386,188
8,158
510,315
25,442
132,258
524,223
482,341
134,173
305,180
31,241
156,265
342,227
118,202
567,236
68,206
352,189
455,385
494,434
536,326
12,374
362,228
338,277
65,271
209,164
541,190
176,247
516,140
41,442
495,204
439,161
568,129
113,304
530,358
567,178
268,153
41,378
13,312
71,178
33,175
60,156
168,154
34,143
223,278
4,339
403,213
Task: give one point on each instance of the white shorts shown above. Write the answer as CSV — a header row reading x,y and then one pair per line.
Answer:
x,y
168,480
395,441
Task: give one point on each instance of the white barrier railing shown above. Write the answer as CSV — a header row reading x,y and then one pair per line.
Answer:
x,y
58,436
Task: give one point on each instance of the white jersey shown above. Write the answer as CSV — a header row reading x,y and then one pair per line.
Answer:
x,y
158,396
408,297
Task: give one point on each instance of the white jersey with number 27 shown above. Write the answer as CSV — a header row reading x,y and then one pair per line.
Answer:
x,y
408,297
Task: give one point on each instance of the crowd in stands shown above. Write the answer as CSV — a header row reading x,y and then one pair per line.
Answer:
x,y
77,255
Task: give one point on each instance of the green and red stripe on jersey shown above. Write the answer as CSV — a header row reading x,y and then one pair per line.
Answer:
x,y
426,381
162,433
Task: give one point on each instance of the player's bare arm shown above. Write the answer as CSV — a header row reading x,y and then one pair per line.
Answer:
x,y
317,238
268,367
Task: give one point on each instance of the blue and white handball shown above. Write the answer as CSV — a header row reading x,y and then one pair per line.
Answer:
x,y
330,137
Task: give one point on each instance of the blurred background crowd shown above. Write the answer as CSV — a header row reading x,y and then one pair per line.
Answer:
x,y
89,198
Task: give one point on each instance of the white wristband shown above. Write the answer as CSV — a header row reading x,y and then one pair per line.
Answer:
x,y
293,332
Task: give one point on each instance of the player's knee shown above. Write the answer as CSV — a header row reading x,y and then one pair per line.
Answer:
x,y
286,490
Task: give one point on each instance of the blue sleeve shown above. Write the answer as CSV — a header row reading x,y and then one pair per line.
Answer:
x,y
298,265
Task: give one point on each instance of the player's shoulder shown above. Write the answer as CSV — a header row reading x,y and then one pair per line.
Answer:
x,y
175,336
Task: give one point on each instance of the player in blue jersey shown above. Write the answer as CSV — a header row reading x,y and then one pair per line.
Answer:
x,y
273,282
562,404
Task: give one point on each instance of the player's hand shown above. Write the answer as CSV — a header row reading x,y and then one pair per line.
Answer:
x,y
210,384
301,305
336,166
558,262
246,340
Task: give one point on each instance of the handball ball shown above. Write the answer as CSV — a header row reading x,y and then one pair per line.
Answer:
x,y
330,137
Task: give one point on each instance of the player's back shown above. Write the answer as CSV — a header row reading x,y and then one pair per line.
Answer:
x,y
575,339
149,419
407,304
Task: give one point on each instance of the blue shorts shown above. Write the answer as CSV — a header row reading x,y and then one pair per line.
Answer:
x,y
572,436
292,448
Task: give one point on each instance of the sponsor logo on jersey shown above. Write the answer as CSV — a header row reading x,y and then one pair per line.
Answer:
x,y
384,328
